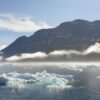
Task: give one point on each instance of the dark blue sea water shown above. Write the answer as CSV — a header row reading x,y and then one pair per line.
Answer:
x,y
49,81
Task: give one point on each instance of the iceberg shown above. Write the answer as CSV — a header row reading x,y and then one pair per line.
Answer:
x,y
37,80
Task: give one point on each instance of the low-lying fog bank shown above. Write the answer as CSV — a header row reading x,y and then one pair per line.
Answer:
x,y
90,54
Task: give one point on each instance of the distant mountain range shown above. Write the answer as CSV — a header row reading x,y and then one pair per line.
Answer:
x,y
73,35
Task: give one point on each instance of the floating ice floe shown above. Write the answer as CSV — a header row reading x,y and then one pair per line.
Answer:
x,y
80,68
75,69
37,80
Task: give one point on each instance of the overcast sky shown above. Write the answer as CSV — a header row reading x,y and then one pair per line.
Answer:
x,y
24,17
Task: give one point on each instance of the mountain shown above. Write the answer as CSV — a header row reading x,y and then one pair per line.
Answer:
x,y
73,35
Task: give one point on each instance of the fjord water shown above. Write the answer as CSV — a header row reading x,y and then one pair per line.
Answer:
x,y
49,81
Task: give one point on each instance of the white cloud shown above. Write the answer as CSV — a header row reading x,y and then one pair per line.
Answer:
x,y
93,48
42,55
2,47
27,56
14,58
34,55
20,24
63,52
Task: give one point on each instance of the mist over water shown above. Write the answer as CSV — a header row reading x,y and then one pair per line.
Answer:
x,y
49,80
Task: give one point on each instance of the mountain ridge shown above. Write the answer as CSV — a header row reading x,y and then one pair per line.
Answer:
x,y
73,35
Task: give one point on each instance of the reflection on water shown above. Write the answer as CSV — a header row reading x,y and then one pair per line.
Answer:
x,y
49,81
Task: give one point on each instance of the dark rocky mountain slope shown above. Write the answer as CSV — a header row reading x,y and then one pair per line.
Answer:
x,y
74,35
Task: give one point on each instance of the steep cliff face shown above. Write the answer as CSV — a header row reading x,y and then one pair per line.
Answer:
x,y
74,35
